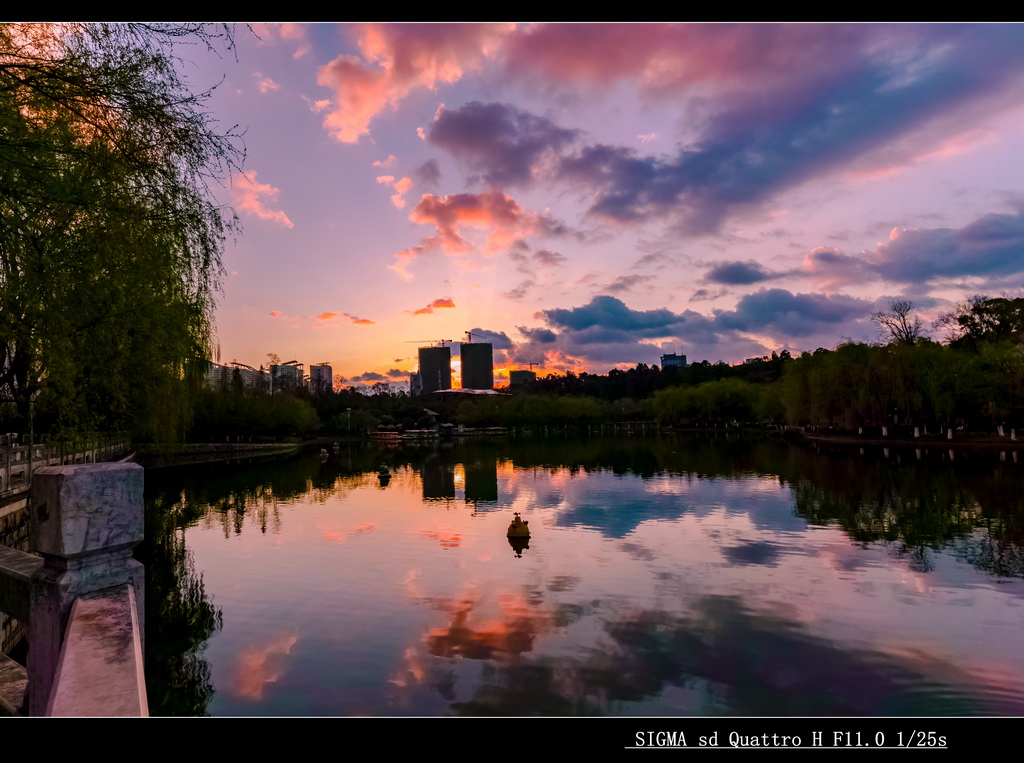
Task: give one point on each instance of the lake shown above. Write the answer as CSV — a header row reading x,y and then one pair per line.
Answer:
x,y
665,576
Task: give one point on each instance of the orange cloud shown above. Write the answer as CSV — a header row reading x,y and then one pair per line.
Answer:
x,y
352,318
445,302
447,540
249,197
397,59
389,162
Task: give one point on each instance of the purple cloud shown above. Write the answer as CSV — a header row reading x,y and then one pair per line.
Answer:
x,y
760,134
499,339
795,315
499,141
989,246
428,173
740,273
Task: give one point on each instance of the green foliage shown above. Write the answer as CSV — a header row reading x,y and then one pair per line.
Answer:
x,y
110,242
228,413
714,402
903,384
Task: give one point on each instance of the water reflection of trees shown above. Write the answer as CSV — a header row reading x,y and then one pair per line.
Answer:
x,y
236,493
916,503
726,659
180,618
179,621
972,507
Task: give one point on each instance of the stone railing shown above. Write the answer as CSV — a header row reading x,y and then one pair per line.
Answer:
x,y
81,593
19,459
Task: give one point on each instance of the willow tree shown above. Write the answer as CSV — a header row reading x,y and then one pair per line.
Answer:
x,y
110,238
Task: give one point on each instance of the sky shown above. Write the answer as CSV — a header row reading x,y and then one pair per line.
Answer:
x,y
591,196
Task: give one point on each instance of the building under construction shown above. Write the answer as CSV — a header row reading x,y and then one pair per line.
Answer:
x,y
521,378
435,368
477,365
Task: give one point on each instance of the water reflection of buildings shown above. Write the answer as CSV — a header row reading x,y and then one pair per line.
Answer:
x,y
482,481
438,479
478,480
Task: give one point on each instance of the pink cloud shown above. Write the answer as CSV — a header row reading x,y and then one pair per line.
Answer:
x,y
397,59
495,210
265,84
296,33
832,268
288,31
259,665
389,162
400,186
398,198
918,148
406,256
249,197
664,58
507,222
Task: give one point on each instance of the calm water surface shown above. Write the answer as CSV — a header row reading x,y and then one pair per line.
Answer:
x,y
664,577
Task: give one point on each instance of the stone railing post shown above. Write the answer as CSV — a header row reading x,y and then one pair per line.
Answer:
x,y
84,521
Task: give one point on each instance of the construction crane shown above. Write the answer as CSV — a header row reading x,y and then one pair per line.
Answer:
x,y
431,342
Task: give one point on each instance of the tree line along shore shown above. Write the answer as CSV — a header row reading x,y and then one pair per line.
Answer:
x,y
110,263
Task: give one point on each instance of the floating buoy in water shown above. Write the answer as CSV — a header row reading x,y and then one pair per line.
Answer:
x,y
518,528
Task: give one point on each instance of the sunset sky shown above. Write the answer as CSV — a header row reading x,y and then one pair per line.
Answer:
x,y
585,195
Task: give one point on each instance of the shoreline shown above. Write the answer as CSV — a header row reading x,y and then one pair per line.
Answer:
x,y
188,454
962,442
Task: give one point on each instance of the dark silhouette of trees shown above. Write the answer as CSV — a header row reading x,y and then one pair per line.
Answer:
x,y
899,322
979,320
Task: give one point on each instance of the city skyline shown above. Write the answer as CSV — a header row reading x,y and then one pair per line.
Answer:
x,y
582,195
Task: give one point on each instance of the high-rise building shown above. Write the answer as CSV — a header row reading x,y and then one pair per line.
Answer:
x,y
673,360
435,368
285,375
477,365
321,378
236,373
